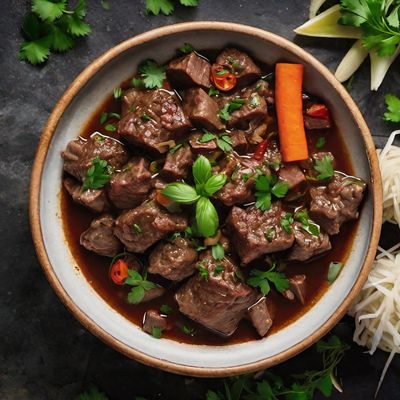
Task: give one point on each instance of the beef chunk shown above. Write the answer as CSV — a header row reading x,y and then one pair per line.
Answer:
x,y
99,237
218,302
93,199
306,245
298,287
239,141
316,123
128,188
79,154
254,108
153,293
243,66
143,226
133,262
260,316
157,117
189,71
255,232
199,147
337,202
130,99
177,164
202,110
152,319
174,261
294,177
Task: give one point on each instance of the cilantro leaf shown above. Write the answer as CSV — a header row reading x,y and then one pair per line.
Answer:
x,y
156,6
262,279
286,222
36,51
75,26
207,136
266,186
224,142
218,251
189,3
48,10
325,168
61,41
153,74
280,189
213,92
156,332
306,224
186,48
97,175
231,106
393,108
92,394
320,142
263,201
165,309
139,286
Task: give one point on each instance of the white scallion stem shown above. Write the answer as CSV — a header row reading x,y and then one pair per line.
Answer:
x,y
315,5
380,66
351,61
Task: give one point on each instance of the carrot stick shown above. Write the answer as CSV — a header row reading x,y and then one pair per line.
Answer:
x,y
289,109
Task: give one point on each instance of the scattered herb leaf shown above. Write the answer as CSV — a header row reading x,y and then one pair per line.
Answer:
x,y
320,142
218,251
324,167
98,174
262,279
152,74
393,108
334,270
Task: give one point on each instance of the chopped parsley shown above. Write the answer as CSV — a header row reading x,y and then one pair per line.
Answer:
x,y
393,108
233,105
174,149
325,168
145,117
98,174
140,285
137,229
103,118
188,330
320,142
306,224
213,92
270,234
218,269
262,280
166,7
218,251
203,272
286,222
186,48
266,186
166,309
110,127
152,74
224,142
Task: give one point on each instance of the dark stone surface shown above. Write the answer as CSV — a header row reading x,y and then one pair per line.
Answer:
x,y
44,352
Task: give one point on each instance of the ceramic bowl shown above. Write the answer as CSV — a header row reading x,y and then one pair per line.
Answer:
x,y
85,95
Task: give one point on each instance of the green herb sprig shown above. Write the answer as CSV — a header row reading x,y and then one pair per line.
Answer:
x,y
50,26
166,7
223,140
140,285
267,186
393,108
306,224
231,106
325,168
262,279
151,75
206,185
98,174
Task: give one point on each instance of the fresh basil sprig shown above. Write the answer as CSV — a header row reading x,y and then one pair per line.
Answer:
x,y
206,185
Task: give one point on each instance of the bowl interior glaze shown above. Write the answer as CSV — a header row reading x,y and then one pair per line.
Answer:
x,y
72,112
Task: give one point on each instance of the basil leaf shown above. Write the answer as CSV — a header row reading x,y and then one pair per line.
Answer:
x,y
201,170
135,296
181,193
334,270
206,217
215,183
207,137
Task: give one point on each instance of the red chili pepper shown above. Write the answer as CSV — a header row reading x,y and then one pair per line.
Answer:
x,y
119,272
223,79
318,111
260,150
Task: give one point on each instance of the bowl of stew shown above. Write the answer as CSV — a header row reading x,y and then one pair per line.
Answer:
x,y
206,199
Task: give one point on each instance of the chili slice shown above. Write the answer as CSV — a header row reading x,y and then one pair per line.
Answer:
x,y
222,79
318,111
260,150
119,272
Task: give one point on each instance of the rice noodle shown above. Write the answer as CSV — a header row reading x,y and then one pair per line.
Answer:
x,y
389,162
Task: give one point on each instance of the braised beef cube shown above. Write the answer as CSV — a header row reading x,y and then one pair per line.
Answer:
x,y
199,147
254,108
128,188
260,316
99,237
157,118
243,66
297,285
130,100
202,110
294,177
133,262
177,164
145,225
153,320
218,301
174,261
273,156
153,293
306,245
79,154
254,232
93,199
288,294
191,70
336,203
316,123
263,89
321,154
239,141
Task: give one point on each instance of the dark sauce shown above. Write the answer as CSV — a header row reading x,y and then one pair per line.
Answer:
x,y
95,268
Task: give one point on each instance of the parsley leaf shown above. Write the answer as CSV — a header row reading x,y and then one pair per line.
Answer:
x,y
188,330
325,168
139,284
48,10
213,92
224,142
207,136
320,142
233,105
98,174
306,224
156,6
186,48
262,279
266,186
203,271
153,75
218,251
286,222
218,269
393,108
165,309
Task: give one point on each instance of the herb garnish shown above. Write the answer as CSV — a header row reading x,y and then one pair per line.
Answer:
x,y
320,142
262,279
218,251
393,108
270,234
213,92
165,309
233,105
140,286
266,186
174,149
306,224
137,229
156,332
166,7
98,174
186,48
188,330
206,185
50,26
145,117
218,269
152,74
224,142
324,167
110,127
334,270
286,222
117,92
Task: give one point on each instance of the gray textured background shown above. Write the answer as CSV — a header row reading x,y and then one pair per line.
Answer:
x,y
44,352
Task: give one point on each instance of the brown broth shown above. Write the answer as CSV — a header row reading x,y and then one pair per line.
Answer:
x,y
95,268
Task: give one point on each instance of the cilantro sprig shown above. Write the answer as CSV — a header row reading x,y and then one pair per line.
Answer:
x,y
206,185
393,108
266,187
231,106
140,285
51,26
151,75
306,224
263,279
325,168
223,140
98,174
166,7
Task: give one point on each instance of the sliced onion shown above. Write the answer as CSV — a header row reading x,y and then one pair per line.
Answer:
x,y
315,5
351,61
380,66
